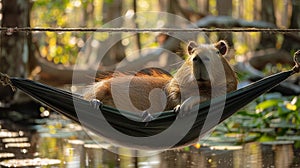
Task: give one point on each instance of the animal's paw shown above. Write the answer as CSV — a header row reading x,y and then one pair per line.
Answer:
x,y
146,116
177,109
96,104
185,108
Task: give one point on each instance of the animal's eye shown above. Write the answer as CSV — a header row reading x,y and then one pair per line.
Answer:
x,y
218,52
205,59
196,59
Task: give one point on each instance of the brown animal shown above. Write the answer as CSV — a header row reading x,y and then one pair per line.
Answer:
x,y
204,72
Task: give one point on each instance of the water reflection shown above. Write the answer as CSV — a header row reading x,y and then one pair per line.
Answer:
x,y
29,162
57,141
14,140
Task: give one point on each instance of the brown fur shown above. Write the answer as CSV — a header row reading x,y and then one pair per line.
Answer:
x,y
190,80
140,86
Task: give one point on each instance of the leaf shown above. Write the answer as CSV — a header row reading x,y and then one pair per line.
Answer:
x,y
267,104
266,138
245,113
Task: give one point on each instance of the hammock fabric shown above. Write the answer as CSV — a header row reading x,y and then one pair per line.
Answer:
x,y
86,114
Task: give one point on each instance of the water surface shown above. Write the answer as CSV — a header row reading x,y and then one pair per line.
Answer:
x,y
58,142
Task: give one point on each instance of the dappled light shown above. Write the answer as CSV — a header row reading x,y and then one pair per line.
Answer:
x,y
150,83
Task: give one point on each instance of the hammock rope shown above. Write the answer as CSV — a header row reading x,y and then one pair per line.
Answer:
x,y
87,114
5,81
11,30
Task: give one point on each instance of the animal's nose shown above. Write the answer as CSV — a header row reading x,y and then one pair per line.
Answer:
x,y
198,59
204,58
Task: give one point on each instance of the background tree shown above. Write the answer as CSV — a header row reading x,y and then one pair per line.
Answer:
x,y
267,14
291,43
224,8
15,46
112,10
61,49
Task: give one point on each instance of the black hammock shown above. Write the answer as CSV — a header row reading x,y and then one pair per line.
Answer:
x,y
116,127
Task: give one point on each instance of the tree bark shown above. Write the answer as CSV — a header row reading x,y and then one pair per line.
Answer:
x,y
203,6
183,8
224,8
113,10
138,35
15,46
289,43
268,15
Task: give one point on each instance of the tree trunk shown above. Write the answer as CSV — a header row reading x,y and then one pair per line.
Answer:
x,y
185,9
15,46
290,44
138,35
204,6
171,8
224,8
87,10
113,10
268,15
257,9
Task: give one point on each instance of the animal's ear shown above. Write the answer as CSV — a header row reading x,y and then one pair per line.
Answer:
x,y
191,46
222,46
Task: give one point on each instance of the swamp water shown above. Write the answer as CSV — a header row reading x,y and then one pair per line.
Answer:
x,y
58,142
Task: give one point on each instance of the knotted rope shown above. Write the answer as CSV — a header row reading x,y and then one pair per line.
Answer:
x,y
5,81
296,68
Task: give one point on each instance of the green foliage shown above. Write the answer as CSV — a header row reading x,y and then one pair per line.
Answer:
x,y
63,48
109,1
58,47
271,115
